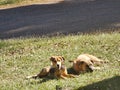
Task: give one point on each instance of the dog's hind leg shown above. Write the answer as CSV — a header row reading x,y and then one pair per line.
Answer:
x,y
44,72
95,60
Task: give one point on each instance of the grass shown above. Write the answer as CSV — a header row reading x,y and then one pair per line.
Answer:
x,y
5,2
15,3
26,56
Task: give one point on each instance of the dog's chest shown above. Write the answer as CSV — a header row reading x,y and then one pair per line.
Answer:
x,y
57,72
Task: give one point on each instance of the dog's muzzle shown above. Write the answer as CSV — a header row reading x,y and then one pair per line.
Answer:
x,y
90,68
58,66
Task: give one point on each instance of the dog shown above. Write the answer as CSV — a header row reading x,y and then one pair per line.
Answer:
x,y
85,63
56,70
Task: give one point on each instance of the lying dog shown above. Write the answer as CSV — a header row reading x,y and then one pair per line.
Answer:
x,y
57,69
85,63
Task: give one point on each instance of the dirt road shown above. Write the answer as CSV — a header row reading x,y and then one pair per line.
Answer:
x,y
65,17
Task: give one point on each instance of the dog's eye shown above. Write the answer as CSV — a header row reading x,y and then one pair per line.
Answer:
x,y
81,62
54,61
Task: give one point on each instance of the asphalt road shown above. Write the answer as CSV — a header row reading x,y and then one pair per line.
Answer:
x,y
65,17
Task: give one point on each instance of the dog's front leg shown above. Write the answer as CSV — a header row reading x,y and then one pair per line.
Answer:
x,y
96,68
69,75
63,77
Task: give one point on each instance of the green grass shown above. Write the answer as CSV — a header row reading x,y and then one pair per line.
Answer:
x,y
17,2
22,2
4,2
26,56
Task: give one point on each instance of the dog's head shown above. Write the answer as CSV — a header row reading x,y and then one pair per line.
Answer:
x,y
85,65
57,61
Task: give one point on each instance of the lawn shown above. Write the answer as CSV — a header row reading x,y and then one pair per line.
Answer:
x,y
4,4
21,57
16,3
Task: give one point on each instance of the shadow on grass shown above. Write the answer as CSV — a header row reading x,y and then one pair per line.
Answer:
x,y
42,80
71,71
61,18
107,84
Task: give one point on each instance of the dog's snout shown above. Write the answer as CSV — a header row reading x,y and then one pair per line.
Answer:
x,y
58,65
90,68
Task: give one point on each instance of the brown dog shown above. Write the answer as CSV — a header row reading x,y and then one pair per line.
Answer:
x,y
57,69
86,62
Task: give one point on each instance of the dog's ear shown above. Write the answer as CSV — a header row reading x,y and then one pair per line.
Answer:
x,y
52,58
92,61
63,58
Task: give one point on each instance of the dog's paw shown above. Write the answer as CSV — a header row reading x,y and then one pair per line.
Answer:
x,y
28,77
97,68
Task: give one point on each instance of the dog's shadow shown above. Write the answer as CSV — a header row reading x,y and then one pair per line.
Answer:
x,y
42,80
72,71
